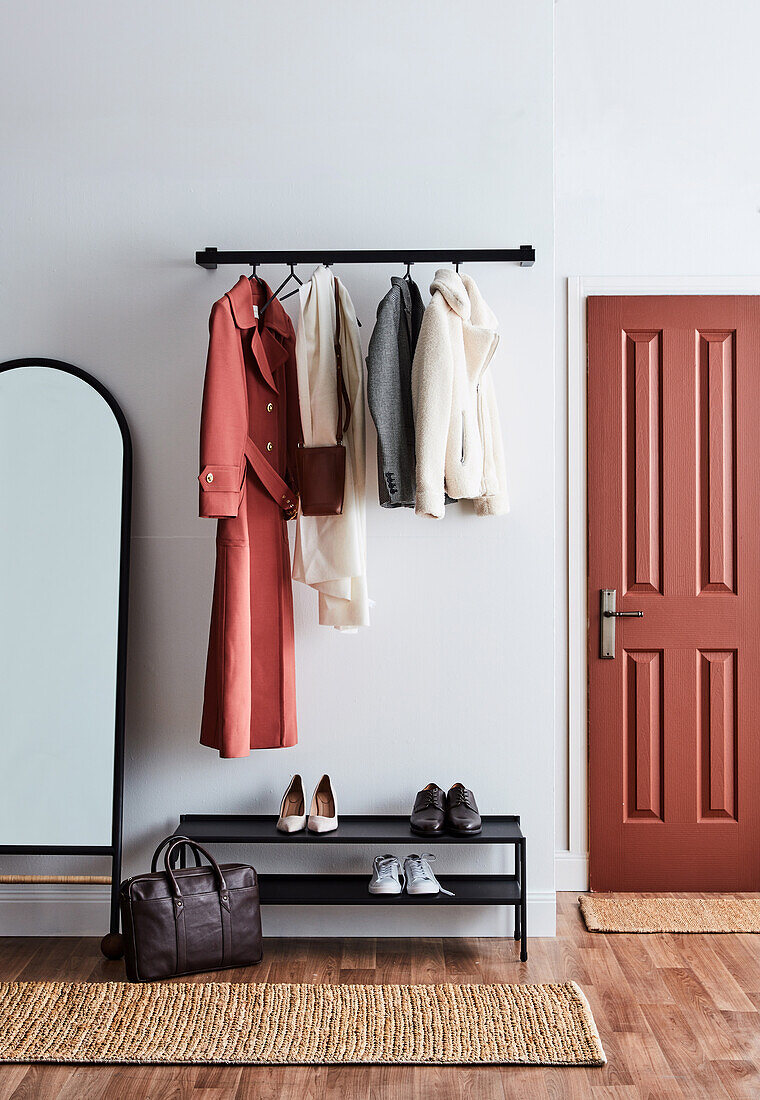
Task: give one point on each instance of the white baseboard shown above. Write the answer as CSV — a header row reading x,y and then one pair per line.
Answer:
x,y
571,870
58,909
53,909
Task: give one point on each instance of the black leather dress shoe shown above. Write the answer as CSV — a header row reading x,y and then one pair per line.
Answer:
x,y
462,817
427,817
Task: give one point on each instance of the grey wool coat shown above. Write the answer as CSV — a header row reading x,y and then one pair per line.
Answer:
x,y
389,390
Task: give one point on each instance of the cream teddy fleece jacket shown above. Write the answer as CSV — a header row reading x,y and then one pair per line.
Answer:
x,y
456,419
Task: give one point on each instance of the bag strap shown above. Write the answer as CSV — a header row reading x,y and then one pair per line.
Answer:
x,y
179,904
181,932
162,845
224,894
343,401
226,916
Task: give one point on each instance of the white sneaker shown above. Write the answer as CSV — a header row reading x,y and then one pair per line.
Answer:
x,y
323,812
387,876
293,808
419,876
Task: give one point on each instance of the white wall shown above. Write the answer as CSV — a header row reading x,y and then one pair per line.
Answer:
x,y
657,169
134,134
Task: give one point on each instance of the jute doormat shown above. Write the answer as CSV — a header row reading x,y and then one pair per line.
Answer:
x,y
626,913
209,1023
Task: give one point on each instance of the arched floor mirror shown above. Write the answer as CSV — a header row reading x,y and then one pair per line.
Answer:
x,y
65,501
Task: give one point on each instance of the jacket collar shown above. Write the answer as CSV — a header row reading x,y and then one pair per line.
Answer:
x,y
245,295
269,334
463,297
402,285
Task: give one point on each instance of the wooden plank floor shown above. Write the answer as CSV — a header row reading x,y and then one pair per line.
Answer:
x,y
679,1016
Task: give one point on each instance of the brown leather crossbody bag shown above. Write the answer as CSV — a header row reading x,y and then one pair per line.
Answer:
x,y
192,920
321,471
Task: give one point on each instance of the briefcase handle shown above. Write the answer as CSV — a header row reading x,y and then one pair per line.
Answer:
x,y
177,842
162,845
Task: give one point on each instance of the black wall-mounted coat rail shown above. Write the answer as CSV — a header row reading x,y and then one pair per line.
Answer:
x,y
525,256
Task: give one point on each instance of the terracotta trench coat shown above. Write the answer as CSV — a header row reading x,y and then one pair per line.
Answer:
x,y
250,428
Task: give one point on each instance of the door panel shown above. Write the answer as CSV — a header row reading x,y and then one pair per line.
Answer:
x,y
642,716
643,434
674,528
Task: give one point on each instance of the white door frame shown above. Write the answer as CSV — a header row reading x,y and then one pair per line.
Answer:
x,y
572,865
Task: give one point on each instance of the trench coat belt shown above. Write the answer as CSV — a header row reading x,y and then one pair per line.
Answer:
x,y
279,490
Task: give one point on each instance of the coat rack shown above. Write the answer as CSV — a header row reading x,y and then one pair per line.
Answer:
x,y
525,256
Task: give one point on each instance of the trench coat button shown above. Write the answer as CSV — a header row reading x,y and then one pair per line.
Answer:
x,y
270,407
270,446
209,478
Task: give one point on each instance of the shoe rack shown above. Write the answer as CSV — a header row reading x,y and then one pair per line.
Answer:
x,y
381,831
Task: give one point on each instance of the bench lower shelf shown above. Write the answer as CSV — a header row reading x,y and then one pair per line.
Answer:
x,y
353,890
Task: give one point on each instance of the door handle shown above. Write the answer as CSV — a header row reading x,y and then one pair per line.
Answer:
x,y
607,622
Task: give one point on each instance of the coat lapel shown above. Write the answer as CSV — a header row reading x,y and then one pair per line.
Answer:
x,y
262,360
269,334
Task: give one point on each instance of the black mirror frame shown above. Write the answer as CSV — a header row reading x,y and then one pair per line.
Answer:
x,y
111,944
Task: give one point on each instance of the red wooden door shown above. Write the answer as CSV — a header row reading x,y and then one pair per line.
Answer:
x,y
674,528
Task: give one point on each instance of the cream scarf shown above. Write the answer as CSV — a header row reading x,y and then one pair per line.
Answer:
x,y
331,551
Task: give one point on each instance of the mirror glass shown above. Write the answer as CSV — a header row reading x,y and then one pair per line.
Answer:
x,y
61,458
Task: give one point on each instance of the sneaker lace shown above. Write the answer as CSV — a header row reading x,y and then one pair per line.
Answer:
x,y
418,867
384,867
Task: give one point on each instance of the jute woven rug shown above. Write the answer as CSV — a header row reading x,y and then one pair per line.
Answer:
x,y
210,1023
630,913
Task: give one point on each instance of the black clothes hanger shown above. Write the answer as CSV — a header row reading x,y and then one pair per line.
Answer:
x,y
253,277
291,275
292,292
300,284
408,273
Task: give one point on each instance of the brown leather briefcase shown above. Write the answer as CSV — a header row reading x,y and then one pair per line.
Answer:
x,y
192,920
